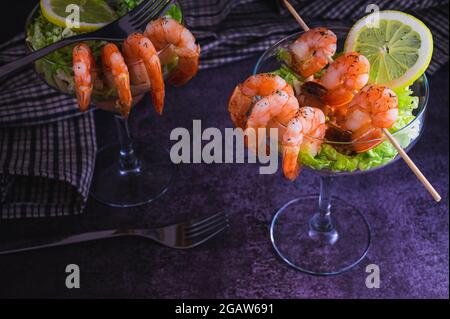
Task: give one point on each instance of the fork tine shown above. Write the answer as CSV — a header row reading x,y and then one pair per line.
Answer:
x,y
201,220
206,230
206,224
142,23
205,239
149,5
149,14
190,230
141,7
155,6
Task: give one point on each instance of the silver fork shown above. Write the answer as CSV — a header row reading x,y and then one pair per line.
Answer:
x,y
118,30
183,235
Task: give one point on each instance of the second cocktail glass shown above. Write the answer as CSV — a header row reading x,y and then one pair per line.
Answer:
x,y
128,173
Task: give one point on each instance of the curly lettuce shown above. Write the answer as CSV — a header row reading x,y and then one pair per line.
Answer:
x,y
287,74
330,159
407,104
124,6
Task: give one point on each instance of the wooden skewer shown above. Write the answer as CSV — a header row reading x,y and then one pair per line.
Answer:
x,y
296,15
413,166
389,136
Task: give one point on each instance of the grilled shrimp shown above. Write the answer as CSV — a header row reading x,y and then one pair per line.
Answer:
x,y
138,48
312,51
278,107
114,64
84,70
346,75
246,94
304,132
167,32
375,107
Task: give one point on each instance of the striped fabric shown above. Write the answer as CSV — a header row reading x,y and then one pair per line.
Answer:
x,y
47,169
230,31
47,148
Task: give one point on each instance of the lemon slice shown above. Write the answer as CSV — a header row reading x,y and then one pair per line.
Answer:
x,y
94,14
399,48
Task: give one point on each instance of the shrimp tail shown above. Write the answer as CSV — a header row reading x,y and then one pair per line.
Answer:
x,y
303,133
84,98
291,165
238,106
187,68
124,89
153,67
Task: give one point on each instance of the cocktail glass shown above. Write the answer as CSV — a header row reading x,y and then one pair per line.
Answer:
x,y
322,234
128,173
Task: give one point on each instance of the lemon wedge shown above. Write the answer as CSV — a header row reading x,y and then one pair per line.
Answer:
x,y
399,47
93,14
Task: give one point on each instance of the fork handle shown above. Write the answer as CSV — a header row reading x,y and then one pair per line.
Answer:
x,y
37,244
16,65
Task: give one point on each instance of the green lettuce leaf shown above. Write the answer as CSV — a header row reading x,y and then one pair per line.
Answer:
x,y
284,56
318,162
287,74
175,13
124,6
407,103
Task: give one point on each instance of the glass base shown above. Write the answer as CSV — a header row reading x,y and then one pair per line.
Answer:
x,y
145,183
330,251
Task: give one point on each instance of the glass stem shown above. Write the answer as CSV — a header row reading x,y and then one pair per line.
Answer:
x,y
326,192
128,160
321,224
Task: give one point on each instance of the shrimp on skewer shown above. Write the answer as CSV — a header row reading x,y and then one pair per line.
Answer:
x,y
312,51
84,70
304,132
114,63
347,74
375,107
255,87
278,107
138,47
167,32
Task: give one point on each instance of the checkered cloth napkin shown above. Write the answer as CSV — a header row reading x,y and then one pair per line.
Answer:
x,y
230,31
47,148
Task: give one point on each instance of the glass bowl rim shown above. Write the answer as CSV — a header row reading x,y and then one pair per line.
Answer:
x,y
422,106
30,48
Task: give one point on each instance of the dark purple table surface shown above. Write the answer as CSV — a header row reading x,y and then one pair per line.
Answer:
x,y
410,230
